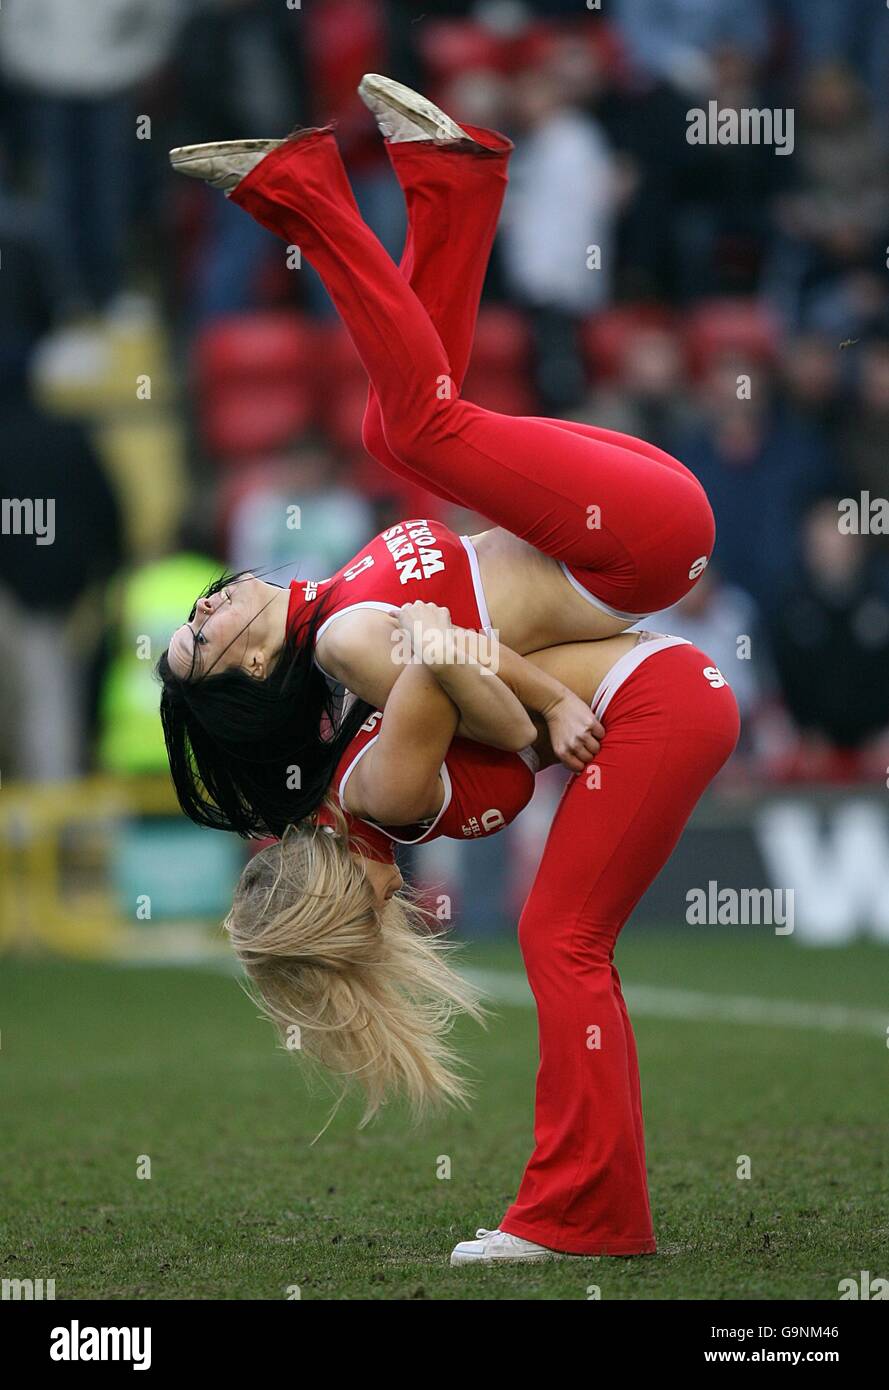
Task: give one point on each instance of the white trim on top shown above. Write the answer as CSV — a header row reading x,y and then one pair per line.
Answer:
x,y
350,608
597,602
648,644
428,829
478,587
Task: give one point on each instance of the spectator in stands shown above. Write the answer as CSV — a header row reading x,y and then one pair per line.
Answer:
x,y
725,623
647,130
725,190
812,385
841,170
854,33
26,305
249,68
557,232
865,440
48,465
761,469
830,635
649,397
296,517
831,222
79,67
241,70
677,40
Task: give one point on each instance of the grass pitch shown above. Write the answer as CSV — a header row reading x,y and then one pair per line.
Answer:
x,y
101,1065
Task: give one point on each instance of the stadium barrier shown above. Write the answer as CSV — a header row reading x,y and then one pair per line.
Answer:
x,y
108,867
828,847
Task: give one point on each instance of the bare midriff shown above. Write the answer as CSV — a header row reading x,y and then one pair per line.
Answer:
x,y
530,601
582,666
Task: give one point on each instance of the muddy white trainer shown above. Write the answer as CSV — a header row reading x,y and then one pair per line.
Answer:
x,y
490,1246
403,114
223,164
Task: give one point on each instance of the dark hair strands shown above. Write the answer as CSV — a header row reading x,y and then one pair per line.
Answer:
x,y
234,742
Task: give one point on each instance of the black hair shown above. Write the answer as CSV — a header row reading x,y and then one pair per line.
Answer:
x,y
254,756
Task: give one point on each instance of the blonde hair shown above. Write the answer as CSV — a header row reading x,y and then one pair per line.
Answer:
x,y
369,987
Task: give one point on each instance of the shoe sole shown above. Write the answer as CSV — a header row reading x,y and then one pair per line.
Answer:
x,y
501,1259
437,124
187,154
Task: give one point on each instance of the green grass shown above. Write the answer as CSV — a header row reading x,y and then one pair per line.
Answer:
x,y
100,1065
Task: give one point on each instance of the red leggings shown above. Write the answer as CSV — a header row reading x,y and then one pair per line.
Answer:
x,y
668,730
631,525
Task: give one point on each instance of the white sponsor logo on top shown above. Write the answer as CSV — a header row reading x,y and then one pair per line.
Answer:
x,y
412,546
486,825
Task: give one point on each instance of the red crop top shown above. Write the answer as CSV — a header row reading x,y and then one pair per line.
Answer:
x,y
484,789
411,560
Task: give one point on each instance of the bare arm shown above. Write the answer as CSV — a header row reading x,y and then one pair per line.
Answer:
x,y
398,780
573,730
366,651
358,651
490,711
369,651
476,674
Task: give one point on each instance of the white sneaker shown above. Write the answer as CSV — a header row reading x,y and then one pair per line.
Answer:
x,y
490,1246
403,114
223,164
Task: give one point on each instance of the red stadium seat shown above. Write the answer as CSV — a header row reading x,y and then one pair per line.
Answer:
x,y
251,345
607,336
255,382
244,424
341,384
499,369
336,358
505,394
502,341
343,412
344,39
450,47
722,326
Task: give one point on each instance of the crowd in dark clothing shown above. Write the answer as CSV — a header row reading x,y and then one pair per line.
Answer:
x,y
695,295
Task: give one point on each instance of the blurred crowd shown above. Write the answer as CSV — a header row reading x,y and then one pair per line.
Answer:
x,y
183,391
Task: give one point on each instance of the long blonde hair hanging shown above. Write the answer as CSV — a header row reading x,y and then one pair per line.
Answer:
x,y
368,986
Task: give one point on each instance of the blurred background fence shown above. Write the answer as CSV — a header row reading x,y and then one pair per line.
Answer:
x,y
184,396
